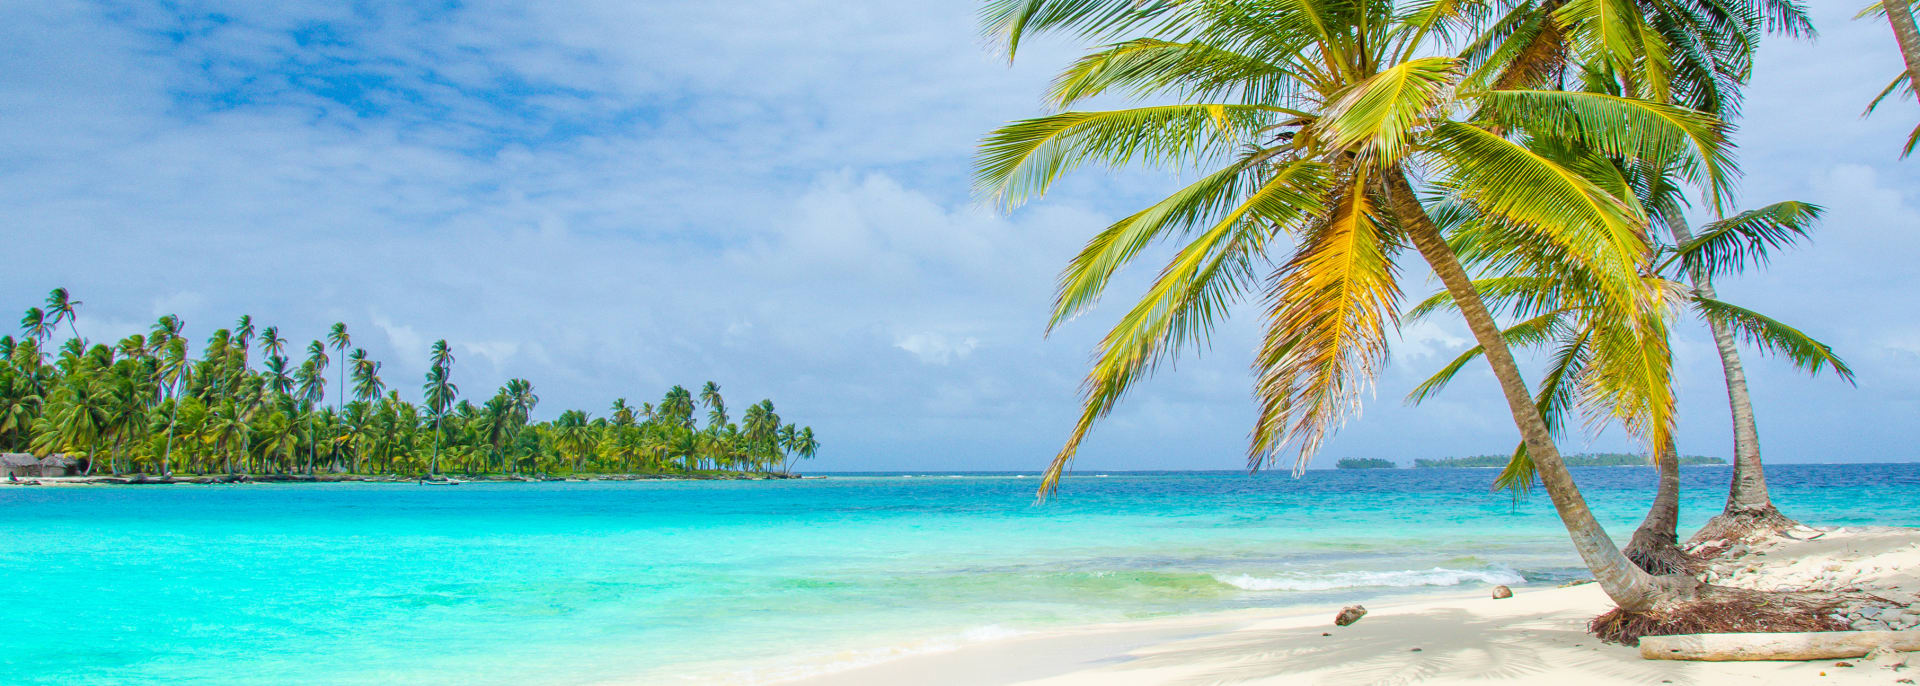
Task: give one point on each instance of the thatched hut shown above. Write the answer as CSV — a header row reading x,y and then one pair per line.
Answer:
x,y
59,465
19,464
15,465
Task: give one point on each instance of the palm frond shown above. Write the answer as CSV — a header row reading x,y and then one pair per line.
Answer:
x,y
1196,71
1806,353
1694,143
1525,334
1558,393
1379,113
1024,158
1215,199
1009,22
1735,243
1186,301
1329,309
1562,209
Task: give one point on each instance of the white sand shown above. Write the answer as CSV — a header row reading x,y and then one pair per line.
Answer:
x,y
1536,637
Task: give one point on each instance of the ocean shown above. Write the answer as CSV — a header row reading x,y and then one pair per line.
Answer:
x,y
538,584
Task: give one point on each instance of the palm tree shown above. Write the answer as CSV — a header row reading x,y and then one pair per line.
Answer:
x,y
574,436
1900,17
367,386
36,325
243,338
1316,119
521,401
1603,367
677,406
339,339
313,391
806,445
63,307
440,393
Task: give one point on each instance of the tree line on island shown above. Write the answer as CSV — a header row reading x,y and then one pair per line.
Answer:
x,y
144,404
1502,460
1539,157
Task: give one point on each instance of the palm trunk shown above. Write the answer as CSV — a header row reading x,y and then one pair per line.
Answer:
x,y
1749,507
1655,546
433,469
1908,36
1630,588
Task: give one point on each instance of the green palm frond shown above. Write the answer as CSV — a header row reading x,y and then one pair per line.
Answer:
x,y
1329,309
1378,114
1202,202
1187,300
1009,22
1558,393
1613,35
1521,296
1558,206
1900,83
1806,353
1024,158
1146,66
1735,243
1526,334
1625,128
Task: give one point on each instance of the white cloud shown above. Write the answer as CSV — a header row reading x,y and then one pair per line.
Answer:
x,y
934,348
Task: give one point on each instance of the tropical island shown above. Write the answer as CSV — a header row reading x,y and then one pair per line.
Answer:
x,y
241,407
1540,200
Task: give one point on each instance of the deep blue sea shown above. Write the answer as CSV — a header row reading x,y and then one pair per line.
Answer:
x,y
648,582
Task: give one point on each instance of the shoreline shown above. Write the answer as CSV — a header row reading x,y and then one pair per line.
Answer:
x,y
1447,636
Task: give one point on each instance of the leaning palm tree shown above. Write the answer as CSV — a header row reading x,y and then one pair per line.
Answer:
x,y
1598,366
36,325
1323,121
1698,53
62,307
1899,16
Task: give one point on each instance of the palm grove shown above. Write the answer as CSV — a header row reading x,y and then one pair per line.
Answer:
x,y
1538,156
244,406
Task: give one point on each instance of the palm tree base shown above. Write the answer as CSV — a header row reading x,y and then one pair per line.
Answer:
x,y
1743,524
1721,610
1659,553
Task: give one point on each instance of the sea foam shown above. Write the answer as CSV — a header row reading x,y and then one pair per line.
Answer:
x,y
1406,578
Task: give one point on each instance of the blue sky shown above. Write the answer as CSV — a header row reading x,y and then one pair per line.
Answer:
x,y
611,197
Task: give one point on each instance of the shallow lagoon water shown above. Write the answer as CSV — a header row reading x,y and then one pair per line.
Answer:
x,y
647,582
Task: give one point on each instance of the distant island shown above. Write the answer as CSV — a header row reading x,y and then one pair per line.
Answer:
x,y
1580,460
247,406
1497,461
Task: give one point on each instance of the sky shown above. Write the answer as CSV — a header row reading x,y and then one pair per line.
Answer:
x,y
608,198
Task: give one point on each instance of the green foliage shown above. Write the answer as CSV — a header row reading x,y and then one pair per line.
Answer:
x,y
1364,463
145,405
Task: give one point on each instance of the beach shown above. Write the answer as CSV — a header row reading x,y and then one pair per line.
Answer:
x,y
1536,636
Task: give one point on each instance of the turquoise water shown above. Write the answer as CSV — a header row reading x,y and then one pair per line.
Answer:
x,y
571,583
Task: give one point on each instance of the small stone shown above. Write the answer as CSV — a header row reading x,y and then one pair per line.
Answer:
x,y
1502,593
1323,633
1843,663
1349,615
1416,650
